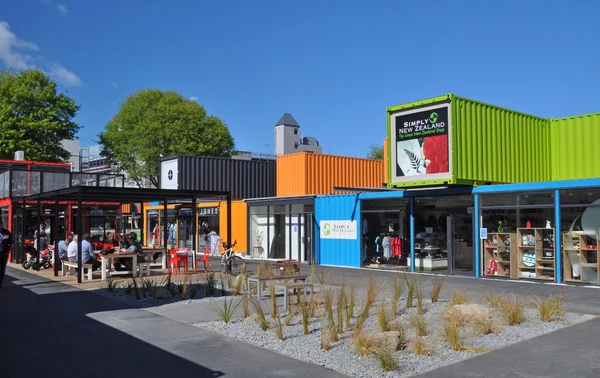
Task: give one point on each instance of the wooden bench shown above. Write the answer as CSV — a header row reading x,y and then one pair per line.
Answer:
x,y
71,264
144,267
259,280
294,286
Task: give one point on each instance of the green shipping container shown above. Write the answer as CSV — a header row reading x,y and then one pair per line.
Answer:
x,y
451,140
575,154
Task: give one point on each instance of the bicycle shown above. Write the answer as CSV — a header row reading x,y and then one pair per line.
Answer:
x,y
230,263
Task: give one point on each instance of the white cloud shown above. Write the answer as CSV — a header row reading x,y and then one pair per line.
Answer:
x,y
114,84
11,48
193,98
64,76
62,9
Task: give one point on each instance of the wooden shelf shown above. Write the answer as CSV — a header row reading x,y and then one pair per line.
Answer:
x,y
577,257
538,237
494,248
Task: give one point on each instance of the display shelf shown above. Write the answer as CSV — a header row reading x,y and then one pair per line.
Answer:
x,y
535,253
580,255
500,247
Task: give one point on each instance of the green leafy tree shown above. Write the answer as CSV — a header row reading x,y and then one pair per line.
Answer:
x,y
375,152
153,123
34,117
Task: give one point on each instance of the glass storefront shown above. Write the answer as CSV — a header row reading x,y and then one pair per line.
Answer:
x,y
579,230
520,235
281,232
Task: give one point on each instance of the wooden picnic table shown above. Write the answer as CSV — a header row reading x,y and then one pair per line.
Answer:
x,y
259,280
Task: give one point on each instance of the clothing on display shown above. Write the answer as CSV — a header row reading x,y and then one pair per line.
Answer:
x,y
378,245
215,242
385,242
365,227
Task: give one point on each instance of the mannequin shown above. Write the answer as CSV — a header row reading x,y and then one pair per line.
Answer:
x,y
215,241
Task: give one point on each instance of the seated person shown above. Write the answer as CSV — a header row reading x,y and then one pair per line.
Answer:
x,y
110,239
43,241
72,249
87,253
63,246
133,247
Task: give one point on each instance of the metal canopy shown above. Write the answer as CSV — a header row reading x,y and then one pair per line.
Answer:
x,y
126,195
82,194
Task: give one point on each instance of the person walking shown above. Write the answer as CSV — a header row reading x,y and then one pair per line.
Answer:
x,y
5,243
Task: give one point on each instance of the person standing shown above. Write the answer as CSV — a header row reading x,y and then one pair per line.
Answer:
x,y
5,243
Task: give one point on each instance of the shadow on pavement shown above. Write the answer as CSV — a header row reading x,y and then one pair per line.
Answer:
x,y
46,331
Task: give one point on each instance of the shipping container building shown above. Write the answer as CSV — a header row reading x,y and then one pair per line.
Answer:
x,y
307,173
242,178
451,140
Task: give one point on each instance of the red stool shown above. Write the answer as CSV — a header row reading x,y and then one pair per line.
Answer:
x,y
176,259
204,259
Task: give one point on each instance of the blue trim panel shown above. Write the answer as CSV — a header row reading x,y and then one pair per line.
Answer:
x,y
476,241
538,186
557,241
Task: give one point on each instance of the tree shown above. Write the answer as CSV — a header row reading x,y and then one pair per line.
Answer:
x,y
152,124
375,152
34,117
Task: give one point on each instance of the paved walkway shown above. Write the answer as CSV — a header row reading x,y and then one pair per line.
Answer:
x,y
48,329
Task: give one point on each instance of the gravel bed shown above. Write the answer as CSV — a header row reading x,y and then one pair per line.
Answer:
x,y
342,357
130,299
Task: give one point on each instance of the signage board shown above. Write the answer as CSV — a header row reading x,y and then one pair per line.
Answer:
x,y
338,229
420,144
169,172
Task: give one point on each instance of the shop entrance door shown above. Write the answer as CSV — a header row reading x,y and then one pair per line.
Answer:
x,y
459,252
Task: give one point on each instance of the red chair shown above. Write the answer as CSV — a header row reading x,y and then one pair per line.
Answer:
x,y
175,259
204,259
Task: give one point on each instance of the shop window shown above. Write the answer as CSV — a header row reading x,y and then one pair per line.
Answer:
x,y
579,233
520,235
259,235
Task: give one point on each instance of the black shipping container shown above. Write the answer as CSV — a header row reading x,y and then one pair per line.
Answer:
x,y
244,179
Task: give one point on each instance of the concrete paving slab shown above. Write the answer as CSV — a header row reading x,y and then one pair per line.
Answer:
x,y
569,352
80,334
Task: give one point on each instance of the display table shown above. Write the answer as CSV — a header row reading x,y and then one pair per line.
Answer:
x,y
427,263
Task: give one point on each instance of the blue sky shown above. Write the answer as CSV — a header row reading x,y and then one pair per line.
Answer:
x,y
335,65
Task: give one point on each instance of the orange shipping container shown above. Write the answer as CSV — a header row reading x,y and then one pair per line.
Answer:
x,y
239,224
307,173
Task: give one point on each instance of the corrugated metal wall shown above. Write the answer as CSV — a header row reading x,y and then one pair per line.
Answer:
x,y
575,154
309,174
386,160
239,224
498,145
243,178
339,252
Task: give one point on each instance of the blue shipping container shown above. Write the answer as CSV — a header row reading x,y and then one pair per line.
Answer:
x,y
338,248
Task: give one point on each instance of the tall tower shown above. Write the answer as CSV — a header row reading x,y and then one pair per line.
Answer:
x,y
287,137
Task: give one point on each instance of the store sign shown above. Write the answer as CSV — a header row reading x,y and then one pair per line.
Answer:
x,y
338,229
208,211
169,174
420,144
483,233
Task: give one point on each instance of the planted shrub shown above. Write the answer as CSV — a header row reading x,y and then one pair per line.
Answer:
x,y
411,285
350,307
451,335
494,300
260,314
245,306
419,324
436,290
305,310
340,307
290,315
111,284
458,298
512,310
227,310
396,294
382,318
325,334
278,328
209,291
420,308
549,307
386,358
363,344
273,301
419,346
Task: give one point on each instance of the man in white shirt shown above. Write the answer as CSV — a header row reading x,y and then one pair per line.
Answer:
x,y
72,249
